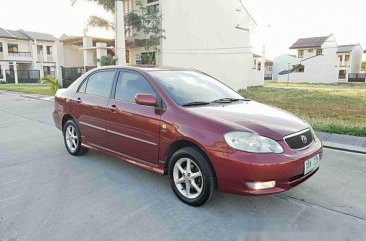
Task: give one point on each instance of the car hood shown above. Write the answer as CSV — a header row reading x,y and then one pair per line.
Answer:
x,y
254,117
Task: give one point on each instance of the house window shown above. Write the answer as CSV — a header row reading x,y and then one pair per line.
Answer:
x,y
319,52
127,56
301,53
340,58
13,48
259,66
346,58
342,74
49,50
311,50
39,49
1,47
301,69
255,64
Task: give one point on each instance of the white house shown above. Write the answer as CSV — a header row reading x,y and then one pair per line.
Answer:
x,y
283,62
195,38
321,60
349,61
26,56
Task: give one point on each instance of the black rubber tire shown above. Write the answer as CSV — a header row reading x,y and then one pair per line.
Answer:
x,y
79,150
206,170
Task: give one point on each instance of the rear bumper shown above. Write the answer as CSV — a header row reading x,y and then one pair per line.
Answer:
x,y
233,170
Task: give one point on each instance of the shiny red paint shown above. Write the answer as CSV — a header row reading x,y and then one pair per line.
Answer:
x,y
145,134
145,99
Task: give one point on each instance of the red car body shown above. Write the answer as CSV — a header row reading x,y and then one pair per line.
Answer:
x,y
146,136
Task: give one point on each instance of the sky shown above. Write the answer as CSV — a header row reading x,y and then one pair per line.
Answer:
x,y
280,22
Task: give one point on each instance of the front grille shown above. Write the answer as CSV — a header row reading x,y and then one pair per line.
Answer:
x,y
300,141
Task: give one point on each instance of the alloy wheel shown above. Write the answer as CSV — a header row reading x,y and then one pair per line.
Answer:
x,y
188,178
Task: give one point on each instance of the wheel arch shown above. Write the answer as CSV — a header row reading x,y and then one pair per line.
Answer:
x,y
65,119
179,144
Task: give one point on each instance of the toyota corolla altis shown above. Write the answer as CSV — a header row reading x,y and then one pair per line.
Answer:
x,y
189,126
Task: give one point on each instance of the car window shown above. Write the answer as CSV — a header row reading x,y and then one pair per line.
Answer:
x,y
82,87
100,83
129,84
190,86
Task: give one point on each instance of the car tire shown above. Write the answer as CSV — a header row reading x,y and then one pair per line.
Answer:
x,y
201,187
72,139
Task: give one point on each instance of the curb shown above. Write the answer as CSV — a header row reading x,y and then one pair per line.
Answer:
x,y
337,142
29,96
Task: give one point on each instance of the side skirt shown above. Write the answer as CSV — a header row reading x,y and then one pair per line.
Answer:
x,y
137,162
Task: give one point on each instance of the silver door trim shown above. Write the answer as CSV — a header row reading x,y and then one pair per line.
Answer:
x,y
131,137
93,126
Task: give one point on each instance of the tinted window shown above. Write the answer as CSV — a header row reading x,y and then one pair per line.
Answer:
x,y
129,84
100,83
189,86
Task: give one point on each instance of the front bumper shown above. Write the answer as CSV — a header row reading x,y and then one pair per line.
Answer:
x,y
234,169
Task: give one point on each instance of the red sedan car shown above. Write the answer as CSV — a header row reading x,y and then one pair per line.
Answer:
x,y
190,126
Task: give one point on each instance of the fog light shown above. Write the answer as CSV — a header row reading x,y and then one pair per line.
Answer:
x,y
260,185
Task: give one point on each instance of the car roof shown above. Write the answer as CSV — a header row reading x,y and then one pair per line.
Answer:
x,y
146,68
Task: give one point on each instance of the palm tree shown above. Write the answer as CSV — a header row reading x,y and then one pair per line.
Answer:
x,y
52,82
96,21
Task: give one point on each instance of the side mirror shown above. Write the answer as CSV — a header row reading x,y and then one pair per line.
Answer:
x,y
145,99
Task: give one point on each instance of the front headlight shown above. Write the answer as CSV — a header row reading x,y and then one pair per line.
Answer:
x,y
250,142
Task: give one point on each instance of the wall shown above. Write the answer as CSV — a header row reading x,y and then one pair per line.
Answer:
x,y
356,59
73,56
196,29
280,63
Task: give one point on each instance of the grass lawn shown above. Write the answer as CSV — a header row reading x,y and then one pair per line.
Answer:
x,y
28,88
327,110
325,86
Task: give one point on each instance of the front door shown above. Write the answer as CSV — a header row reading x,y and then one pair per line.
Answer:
x,y
133,130
91,105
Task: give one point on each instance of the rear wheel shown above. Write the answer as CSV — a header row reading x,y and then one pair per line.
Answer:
x,y
72,139
191,176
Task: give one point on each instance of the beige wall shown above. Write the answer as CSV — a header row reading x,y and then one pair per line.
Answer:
x,y
73,56
207,25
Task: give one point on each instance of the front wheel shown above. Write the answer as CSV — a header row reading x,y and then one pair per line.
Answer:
x,y
72,139
191,176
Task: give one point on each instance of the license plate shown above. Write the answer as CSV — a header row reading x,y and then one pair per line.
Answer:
x,y
311,164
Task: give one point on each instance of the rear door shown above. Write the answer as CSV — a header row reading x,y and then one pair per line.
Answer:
x,y
91,105
133,130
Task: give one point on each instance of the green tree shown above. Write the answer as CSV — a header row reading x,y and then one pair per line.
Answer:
x,y
107,60
144,23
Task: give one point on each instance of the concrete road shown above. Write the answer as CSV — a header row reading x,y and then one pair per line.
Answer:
x,y
46,194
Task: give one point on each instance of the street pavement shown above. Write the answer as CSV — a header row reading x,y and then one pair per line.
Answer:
x,y
46,194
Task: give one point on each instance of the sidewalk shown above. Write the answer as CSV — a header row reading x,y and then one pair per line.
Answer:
x,y
343,142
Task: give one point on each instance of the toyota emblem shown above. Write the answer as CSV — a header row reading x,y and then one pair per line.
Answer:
x,y
304,139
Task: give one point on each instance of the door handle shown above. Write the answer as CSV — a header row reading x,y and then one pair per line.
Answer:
x,y
113,108
78,100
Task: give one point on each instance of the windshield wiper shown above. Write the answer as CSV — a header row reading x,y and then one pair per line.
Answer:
x,y
228,100
196,103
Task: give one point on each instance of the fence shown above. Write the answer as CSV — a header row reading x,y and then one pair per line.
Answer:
x,y
24,76
357,77
69,75
28,76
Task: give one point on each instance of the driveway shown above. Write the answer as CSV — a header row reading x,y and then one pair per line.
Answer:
x,y
46,194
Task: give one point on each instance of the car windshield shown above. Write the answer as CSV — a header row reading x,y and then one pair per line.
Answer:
x,y
190,88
